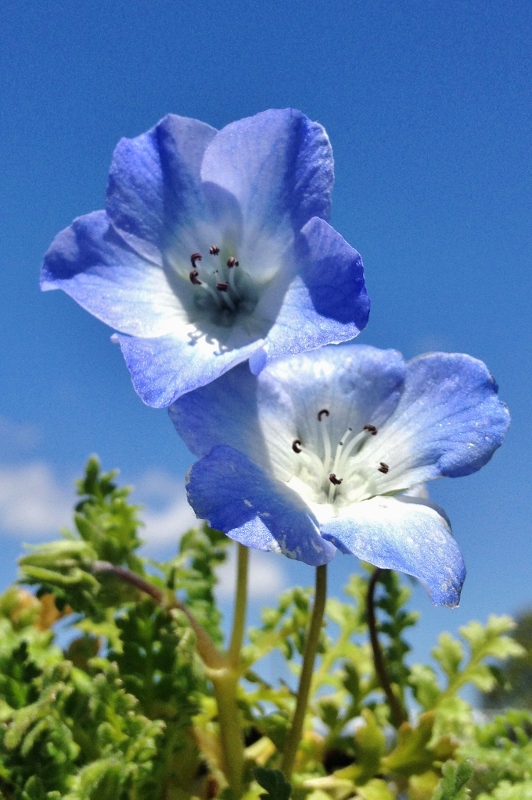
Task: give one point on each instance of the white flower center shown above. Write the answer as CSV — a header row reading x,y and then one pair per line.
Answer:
x,y
336,473
222,287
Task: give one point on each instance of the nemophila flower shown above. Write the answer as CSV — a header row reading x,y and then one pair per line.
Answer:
x,y
213,249
316,453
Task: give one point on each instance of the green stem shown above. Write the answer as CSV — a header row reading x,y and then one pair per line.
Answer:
x,y
239,619
207,650
305,680
398,713
230,723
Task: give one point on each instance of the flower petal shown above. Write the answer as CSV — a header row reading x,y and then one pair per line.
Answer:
x,y
406,534
449,421
154,182
326,303
357,384
164,368
279,166
237,497
252,415
93,265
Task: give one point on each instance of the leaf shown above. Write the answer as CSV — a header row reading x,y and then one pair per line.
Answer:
x,y
453,783
369,748
274,782
414,753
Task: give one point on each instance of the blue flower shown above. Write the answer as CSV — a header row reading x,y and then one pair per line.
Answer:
x,y
318,452
214,249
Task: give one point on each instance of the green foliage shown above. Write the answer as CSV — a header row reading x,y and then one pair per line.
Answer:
x,y
453,783
514,678
273,781
121,706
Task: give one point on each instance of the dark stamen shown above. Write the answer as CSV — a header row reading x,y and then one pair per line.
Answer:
x,y
384,468
334,480
232,262
194,277
322,413
371,428
214,250
222,286
195,257
296,445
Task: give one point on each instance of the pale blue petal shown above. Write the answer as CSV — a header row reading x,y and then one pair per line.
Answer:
x,y
277,164
164,368
154,182
326,303
405,534
237,497
221,413
449,421
358,384
93,265
253,415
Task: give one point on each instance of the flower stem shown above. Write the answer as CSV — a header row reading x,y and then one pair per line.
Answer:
x,y
222,673
305,680
207,650
225,684
239,618
230,725
398,713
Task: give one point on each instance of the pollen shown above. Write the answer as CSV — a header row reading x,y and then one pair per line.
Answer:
x,y
334,480
322,413
296,445
214,250
384,468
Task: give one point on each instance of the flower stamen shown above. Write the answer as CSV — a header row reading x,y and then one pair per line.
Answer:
x,y
214,250
384,468
371,428
296,445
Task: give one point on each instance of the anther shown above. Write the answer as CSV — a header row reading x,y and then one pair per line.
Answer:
x,y
214,250
371,428
384,468
296,445
222,286
334,480
232,262
322,413
195,257
194,277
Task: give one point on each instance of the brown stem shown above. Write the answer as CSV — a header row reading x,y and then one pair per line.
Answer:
x,y
397,711
210,655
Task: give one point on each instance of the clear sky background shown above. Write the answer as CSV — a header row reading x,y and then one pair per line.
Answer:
x,y
427,104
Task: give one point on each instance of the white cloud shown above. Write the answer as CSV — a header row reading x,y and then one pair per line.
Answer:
x,y
266,576
166,514
33,502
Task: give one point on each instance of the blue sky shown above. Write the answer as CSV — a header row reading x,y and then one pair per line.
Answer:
x,y
427,105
